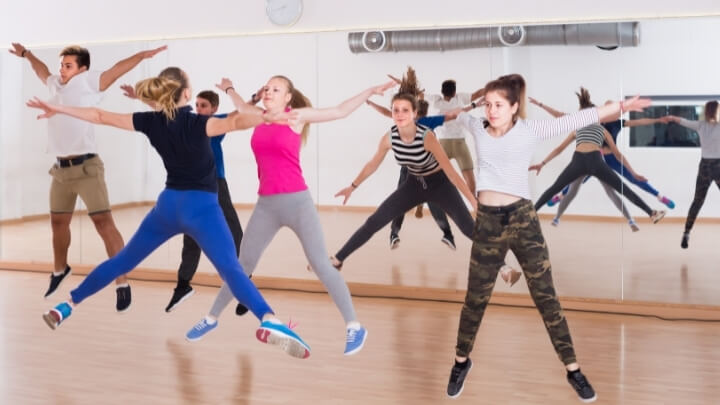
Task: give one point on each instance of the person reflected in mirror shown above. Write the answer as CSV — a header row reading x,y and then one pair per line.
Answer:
x,y
709,167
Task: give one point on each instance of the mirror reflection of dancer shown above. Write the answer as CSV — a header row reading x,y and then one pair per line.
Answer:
x,y
79,171
431,176
587,160
709,167
588,140
189,203
506,219
284,199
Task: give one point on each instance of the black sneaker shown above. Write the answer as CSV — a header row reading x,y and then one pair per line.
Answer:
x,y
394,241
685,240
180,294
55,281
580,384
123,298
457,379
449,241
240,309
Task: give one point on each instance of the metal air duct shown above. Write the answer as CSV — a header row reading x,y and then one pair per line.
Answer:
x,y
604,35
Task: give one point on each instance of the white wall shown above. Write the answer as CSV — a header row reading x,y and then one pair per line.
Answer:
x,y
322,66
56,22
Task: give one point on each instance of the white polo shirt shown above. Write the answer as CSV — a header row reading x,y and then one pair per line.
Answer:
x,y
66,135
450,129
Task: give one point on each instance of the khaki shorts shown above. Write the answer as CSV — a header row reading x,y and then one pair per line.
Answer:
x,y
457,149
86,180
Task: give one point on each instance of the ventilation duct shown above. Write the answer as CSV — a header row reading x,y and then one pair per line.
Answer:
x,y
603,35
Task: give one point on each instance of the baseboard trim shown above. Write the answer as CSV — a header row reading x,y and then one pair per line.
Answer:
x,y
602,305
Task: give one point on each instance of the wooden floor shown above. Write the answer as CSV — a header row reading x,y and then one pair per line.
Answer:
x,y
591,258
141,357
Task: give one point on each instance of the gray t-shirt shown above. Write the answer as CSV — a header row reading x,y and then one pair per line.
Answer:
x,y
709,137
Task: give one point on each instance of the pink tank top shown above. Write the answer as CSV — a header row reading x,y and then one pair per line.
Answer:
x,y
277,153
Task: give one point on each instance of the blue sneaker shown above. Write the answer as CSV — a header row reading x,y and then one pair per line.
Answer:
x,y
57,315
281,335
200,329
355,340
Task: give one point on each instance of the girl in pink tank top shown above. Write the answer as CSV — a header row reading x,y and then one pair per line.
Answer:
x,y
284,199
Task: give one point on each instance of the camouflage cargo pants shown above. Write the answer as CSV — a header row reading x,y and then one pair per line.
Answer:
x,y
708,171
498,229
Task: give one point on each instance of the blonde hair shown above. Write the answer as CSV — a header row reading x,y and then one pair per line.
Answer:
x,y
409,89
297,100
164,91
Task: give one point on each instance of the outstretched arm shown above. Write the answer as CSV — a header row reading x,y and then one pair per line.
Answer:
x,y
433,146
40,68
613,147
382,110
477,94
89,114
108,77
692,124
369,168
309,115
226,86
555,113
646,121
452,114
537,167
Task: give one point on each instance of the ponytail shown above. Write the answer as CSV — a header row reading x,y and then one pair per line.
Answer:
x,y
513,88
584,98
163,91
297,100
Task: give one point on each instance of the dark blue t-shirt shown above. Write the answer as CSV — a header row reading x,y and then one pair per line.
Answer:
x,y
432,121
184,147
218,152
614,128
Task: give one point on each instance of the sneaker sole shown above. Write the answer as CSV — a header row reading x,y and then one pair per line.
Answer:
x,y
186,296
450,245
660,216
463,386
120,311
395,245
589,400
50,321
59,285
357,349
289,345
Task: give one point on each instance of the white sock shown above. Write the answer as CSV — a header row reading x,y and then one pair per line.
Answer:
x,y
122,285
354,325
209,320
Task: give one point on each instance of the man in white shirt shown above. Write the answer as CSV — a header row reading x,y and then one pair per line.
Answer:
x,y
451,135
78,170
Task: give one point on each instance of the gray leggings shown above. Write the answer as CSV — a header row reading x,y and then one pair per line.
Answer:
x,y
575,187
297,212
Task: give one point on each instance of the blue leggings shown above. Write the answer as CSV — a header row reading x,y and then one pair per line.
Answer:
x,y
192,212
617,166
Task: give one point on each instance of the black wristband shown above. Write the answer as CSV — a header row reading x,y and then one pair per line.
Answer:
x,y
473,105
353,185
228,89
252,98
22,54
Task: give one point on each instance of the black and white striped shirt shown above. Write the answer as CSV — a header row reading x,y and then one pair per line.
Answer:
x,y
413,155
594,134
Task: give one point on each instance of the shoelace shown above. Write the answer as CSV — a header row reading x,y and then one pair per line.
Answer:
x,y
202,325
580,380
455,374
351,334
291,324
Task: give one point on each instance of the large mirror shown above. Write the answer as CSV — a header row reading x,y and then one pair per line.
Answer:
x,y
594,252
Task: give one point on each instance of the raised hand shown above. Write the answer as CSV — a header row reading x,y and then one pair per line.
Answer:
x,y
635,104
17,49
224,84
152,52
380,90
346,192
128,91
534,101
48,109
537,167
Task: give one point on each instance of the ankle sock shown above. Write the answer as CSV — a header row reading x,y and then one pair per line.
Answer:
x,y
461,365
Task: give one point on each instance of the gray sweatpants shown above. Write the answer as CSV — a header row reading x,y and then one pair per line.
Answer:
x,y
575,187
297,212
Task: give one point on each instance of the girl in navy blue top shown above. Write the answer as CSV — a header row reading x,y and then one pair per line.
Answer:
x,y
189,202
